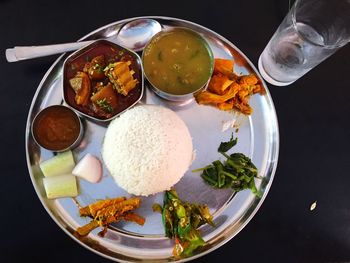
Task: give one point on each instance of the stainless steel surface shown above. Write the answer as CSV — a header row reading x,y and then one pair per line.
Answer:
x,y
88,47
188,97
258,137
133,35
137,33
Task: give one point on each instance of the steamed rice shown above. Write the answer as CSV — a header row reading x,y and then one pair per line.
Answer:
x,y
147,149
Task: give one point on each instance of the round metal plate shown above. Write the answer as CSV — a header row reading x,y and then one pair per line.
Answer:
x,y
258,138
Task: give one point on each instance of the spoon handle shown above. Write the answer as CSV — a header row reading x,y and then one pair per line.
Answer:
x,y
22,53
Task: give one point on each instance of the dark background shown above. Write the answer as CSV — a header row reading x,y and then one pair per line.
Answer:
x,y
313,116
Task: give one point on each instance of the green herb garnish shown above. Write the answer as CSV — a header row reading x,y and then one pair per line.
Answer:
x,y
105,105
236,172
109,67
181,220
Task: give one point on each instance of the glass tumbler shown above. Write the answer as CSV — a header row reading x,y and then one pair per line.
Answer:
x,y
312,31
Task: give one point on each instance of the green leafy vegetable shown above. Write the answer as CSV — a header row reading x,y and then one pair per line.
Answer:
x,y
236,172
181,220
226,146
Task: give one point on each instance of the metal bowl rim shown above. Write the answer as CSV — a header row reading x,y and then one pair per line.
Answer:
x,y
188,95
81,50
75,142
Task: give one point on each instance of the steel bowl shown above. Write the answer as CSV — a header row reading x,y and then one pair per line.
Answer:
x,y
187,96
83,51
74,143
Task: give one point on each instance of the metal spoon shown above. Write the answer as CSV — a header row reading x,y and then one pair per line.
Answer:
x,y
133,35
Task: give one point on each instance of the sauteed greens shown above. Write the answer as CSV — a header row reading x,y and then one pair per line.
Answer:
x,y
236,172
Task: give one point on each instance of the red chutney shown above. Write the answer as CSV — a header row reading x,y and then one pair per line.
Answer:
x,y
56,128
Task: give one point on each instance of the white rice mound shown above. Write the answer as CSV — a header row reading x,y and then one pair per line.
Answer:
x,y
147,149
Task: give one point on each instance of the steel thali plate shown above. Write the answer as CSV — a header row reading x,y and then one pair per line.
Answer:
x,y
258,138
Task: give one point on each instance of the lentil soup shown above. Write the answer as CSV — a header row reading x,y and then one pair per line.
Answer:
x,y
178,61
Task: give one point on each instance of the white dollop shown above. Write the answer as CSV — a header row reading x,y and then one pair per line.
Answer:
x,y
147,149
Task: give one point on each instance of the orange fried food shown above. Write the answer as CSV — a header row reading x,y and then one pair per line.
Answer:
x,y
92,209
251,83
95,68
134,218
105,100
122,77
105,212
219,83
248,80
207,97
82,88
228,91
228,105
224,66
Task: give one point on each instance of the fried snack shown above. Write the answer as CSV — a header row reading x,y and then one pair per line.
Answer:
x,y
225,67
131,217
228,91
122,77
105,212
219,83
82,88
92,209
207,97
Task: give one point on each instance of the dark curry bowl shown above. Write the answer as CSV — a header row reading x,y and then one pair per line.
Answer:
x,y
178,63
57,128
98,89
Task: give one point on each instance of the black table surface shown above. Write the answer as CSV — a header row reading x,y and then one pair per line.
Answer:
x,y
313,116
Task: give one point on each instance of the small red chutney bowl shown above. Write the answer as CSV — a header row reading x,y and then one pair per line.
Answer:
x,y
102,80
57,128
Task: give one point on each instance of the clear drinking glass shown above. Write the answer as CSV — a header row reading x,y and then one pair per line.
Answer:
x,y
312,31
